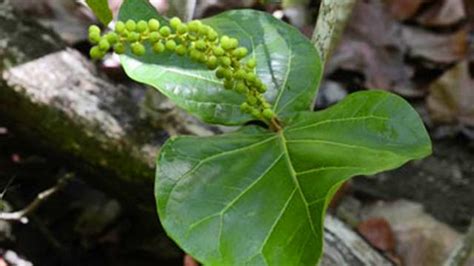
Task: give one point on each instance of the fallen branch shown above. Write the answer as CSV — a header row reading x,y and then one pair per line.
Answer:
x,y
463,250
22,215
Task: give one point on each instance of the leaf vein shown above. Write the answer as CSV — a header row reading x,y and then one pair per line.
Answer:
x,y
337,120
284,142
194,168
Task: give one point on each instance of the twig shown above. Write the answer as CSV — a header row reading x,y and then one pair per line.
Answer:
x,y
463,250
21,215
332,19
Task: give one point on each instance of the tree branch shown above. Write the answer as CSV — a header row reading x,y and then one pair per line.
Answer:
x,y
463,250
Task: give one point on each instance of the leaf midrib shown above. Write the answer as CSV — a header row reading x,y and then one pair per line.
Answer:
x,y
283,144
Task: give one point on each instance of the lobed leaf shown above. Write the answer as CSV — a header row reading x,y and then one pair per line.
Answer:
x,y
287,63
256,197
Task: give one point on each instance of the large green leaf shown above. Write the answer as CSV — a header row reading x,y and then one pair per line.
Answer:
x,y
101,10
256,197
287,62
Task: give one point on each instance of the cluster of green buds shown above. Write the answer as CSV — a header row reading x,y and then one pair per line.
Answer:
x,y
201,43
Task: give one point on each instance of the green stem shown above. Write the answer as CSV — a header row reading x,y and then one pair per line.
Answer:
x,y
275,124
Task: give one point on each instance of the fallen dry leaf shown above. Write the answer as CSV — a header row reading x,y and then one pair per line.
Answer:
x,y
378,233
420,239
451,98
443,13
374,49
404,9
439,48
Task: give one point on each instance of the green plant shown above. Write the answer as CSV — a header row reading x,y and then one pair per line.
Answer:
x,y
256,196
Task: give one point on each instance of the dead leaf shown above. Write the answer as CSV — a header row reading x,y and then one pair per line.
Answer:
x,y
451,98
420,239
404,9
374,49
439,48
378,233
443,13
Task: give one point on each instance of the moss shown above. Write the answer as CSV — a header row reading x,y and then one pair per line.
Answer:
x,y
122,171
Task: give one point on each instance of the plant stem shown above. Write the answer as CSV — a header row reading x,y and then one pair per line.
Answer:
x,y
275,125
332,19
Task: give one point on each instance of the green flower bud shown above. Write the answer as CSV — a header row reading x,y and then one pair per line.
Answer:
x,y
153,24
224,61
226,42
245,107
252,100
203,30
96,53
195,54
119,27
194,25
130,25
125,34
251,77
228,85
94,28
154,37
202,58
181,50
239,74
182,29
240,52
94,37
241,88
119,48
227,74
212,62
165,31
133,36
175,22
200,45
104,45
112,37
234,43
268,113
138,49
158,47
255,112
252,63
220,73
212,35
142,26
218,51
170,45
261,87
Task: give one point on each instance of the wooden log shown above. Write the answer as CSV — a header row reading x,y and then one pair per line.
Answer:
x,y
56,97
344,247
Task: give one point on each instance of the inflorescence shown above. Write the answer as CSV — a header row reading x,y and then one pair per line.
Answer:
x,y
199,42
